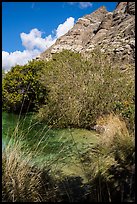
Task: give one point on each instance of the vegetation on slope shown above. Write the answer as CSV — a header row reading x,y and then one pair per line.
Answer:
x,y
70,91
81,90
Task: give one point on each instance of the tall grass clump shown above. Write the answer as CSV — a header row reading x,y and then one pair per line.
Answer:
x,y
23,180
108,166
111,164
27,178
20,181
80,90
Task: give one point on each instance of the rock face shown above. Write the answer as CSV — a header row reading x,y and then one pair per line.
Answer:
x,y
113,32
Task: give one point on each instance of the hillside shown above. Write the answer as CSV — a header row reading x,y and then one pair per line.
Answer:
x,y
113,32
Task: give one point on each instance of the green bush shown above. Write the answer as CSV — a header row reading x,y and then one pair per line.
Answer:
x,y
127,110
21,88
80,90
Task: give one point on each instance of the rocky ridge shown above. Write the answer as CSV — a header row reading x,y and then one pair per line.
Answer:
x,y
113,32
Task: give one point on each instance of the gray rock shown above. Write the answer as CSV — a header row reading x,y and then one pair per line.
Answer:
x,y
113,31
131,8
99,128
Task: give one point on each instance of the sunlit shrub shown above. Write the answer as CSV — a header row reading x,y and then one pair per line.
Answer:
x,y
21,88
81,90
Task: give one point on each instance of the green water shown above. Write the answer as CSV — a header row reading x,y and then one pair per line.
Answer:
x,y
9,122
62,146
29,131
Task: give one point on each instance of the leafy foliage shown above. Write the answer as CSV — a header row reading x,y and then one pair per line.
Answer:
x,y
80,90
71,90
21,88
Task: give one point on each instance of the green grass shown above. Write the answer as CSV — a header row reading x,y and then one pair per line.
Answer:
x,y
59,148
65,154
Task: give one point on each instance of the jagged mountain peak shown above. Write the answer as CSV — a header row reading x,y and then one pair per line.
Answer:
x,y
113,32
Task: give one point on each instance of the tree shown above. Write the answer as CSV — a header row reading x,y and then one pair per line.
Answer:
x,y
21,88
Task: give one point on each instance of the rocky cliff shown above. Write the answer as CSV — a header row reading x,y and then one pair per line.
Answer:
x,y
113,32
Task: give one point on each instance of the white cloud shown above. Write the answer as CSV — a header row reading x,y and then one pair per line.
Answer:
x,y
34,40
34,44
17,57
65,27
82,5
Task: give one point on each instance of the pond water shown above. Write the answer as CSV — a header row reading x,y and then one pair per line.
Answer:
x,y
62,145
9,123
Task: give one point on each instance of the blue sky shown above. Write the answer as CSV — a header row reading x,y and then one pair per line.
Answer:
x,y
44,19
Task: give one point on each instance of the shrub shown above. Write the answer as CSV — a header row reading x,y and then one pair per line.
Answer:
x,y
21,88
80,89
